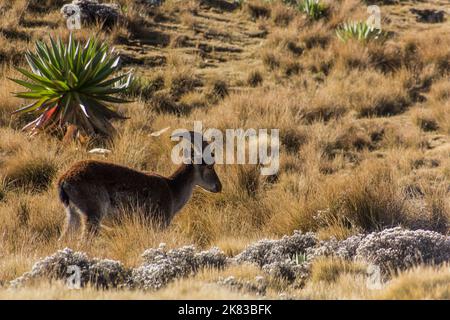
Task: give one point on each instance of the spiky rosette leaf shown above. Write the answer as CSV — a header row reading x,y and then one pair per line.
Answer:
x,y
314,9
72,84
359,30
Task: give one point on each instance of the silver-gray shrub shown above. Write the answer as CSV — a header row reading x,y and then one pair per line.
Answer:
x,y
398,249
390,249
102,273
160,266
267,251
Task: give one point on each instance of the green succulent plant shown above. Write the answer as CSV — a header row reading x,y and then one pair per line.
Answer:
x,y
359,30
314,9
72,84
299,258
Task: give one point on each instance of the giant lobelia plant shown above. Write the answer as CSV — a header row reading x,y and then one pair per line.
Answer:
x,y
72,84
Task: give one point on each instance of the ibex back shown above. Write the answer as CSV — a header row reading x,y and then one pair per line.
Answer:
x,y
92,189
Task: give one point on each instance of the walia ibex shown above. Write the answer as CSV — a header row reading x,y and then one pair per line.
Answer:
x,y
93,189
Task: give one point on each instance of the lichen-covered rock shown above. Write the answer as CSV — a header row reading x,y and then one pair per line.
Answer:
x,y
429,15
270,251
91,12
397,248
97,272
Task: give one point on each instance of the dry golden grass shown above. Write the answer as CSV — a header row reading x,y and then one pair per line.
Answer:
x,y
417,283
364,139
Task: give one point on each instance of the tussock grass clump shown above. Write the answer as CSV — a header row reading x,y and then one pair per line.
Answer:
x,y
258,9
292,139
330,269
34,174
426,121
282,15
196,100
249,180
255,78
371,201
373,94
180,84
271,60
164,102
429,283
218,89
145,87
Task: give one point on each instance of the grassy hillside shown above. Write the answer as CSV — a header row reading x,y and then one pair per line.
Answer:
x,y
364,129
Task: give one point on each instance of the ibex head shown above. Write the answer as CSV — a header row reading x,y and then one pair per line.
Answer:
x,y
204,172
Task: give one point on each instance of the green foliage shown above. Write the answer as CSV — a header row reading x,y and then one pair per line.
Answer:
x,y
357,30
314,9
299,258
72,84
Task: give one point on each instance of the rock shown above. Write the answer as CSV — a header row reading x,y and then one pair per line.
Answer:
x,y
429,15
91,12
100,151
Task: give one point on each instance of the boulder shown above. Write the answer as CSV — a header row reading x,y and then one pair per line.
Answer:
x,y
91,12
429,15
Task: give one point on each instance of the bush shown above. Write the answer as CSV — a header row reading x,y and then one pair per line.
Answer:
x,y
145,88
35,174
258,10
254,78
369,200
398,249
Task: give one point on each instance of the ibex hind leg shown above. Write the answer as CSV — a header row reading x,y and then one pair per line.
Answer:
x,y
93,203
72,225
93,213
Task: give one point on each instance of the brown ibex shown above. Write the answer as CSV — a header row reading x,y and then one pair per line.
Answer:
x,y
92,189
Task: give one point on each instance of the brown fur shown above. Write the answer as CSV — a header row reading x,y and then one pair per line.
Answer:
x,y
95,188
